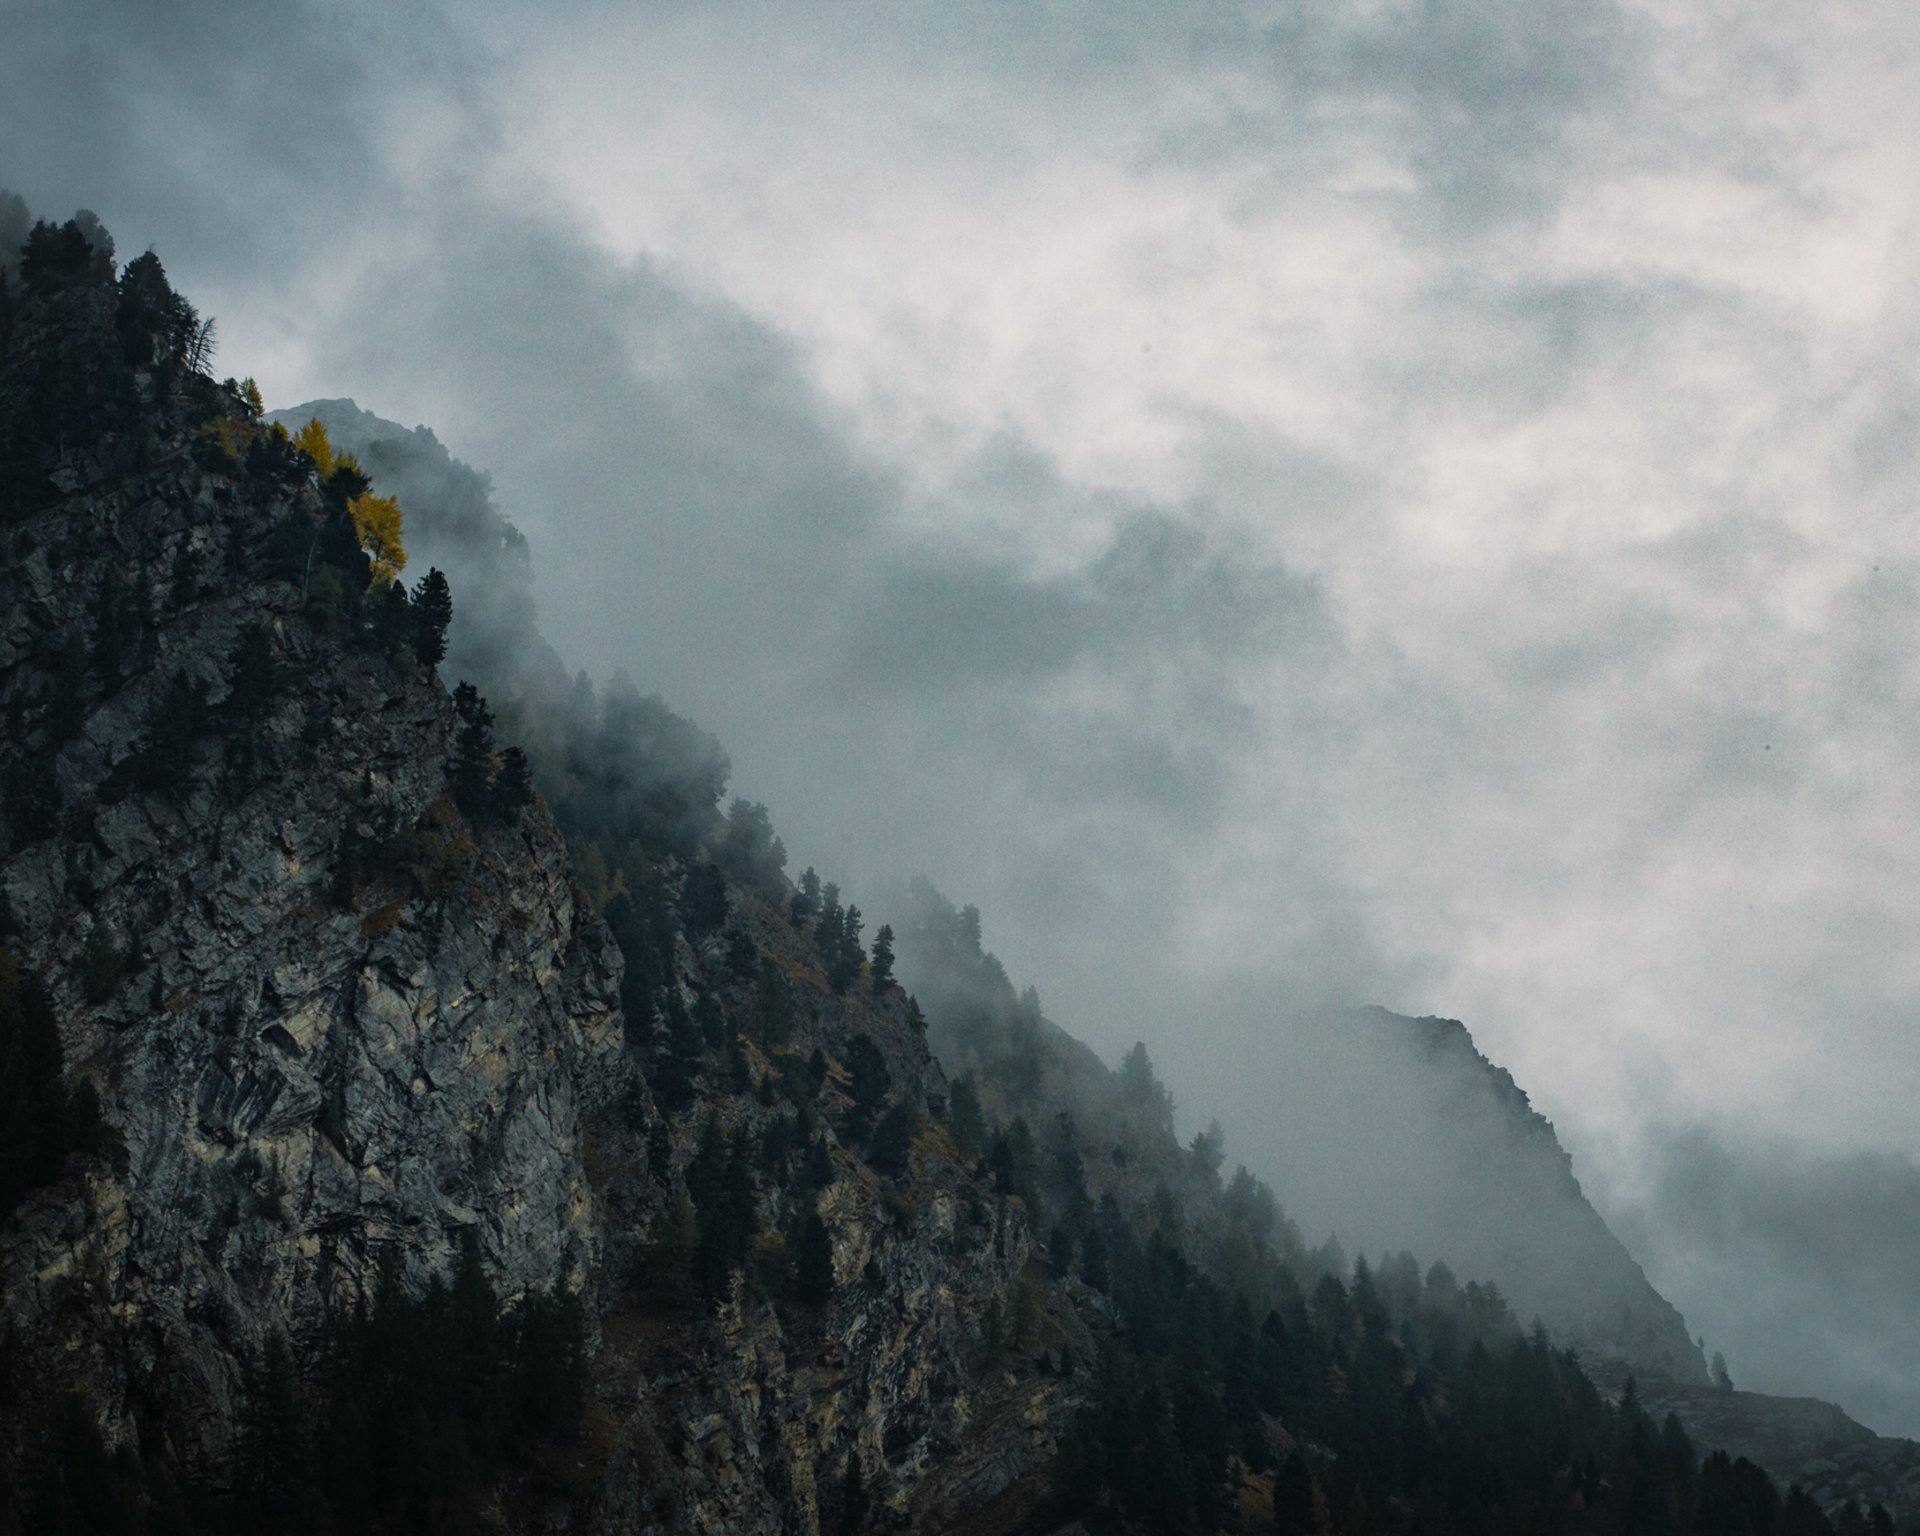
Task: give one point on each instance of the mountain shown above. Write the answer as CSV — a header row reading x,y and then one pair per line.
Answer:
x,y
428,1110
1412,1138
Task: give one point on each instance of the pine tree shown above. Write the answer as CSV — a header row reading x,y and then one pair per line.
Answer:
x,y
813,1261
254,680
969,1127
772,1018
893,1139
676,1234
512,789
472,774
882,959
432,614
855,1506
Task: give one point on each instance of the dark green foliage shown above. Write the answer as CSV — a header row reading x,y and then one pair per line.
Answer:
x,y
635,772
254,678
490,790
720,1184
642,924
818,1173
893,1139
512,786
711,1020
33,800
391,625
1014,1163
806,900
426,1399
103,965
1142,1088
41,1120
772,1010
472,774
270,1431
749,852
703,902
56,258
163,760
155,325
1093,1258
680,1054
543,1338
432,612
856,1506
838,937
813,1261
969,1126
882,960
868,1083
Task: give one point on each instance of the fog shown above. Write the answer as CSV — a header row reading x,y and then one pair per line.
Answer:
x,y
1407,505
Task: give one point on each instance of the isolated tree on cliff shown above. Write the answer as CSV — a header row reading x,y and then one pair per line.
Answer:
x,y
883,959
512,786
376,524
473,751
432,613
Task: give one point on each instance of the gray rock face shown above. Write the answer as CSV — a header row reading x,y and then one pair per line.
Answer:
x,y
309,1076
335,1025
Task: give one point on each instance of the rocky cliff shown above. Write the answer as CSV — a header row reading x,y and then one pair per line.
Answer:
x,y
345,1022
306,1068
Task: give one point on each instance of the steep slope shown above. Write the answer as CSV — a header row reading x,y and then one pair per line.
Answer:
x,y
353,1031
320,1045
1460,1166
333,1021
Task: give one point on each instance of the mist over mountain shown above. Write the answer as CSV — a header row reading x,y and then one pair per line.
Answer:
x,y
428,1106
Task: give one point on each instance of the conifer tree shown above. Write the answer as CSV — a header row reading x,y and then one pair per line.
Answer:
x,y
472,774
676,1234
813,1260
893,1139
883,959
968,1124
512,789
432,614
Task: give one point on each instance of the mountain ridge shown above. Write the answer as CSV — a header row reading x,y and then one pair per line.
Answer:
x,y
475,1156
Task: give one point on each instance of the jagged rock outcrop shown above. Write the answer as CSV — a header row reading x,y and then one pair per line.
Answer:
x,y
306,1073
338,1025
748,1417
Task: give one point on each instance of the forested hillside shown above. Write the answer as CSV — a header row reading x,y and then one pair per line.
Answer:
x,y
434,1106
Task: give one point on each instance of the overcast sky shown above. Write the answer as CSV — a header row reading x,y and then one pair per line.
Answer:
x,y
1396,502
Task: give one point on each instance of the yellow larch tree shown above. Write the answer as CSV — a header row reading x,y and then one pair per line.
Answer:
x,y
376,524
